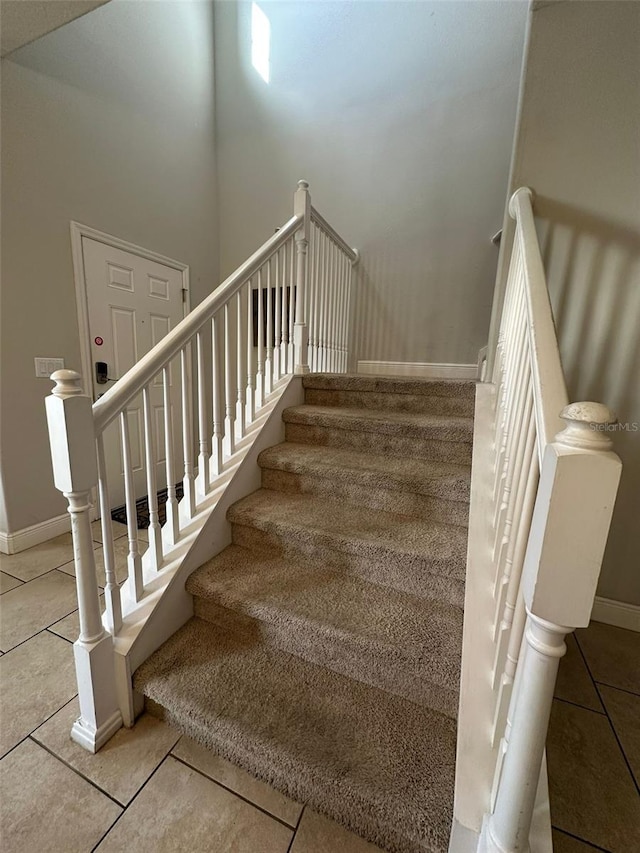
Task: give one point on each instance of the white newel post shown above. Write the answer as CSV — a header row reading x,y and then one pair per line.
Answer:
x,y
73,453
301,207
577,491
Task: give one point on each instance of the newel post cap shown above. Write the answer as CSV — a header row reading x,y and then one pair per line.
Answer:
x,y
588,426
68,383
303,185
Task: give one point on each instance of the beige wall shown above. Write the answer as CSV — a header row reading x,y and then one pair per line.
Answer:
x,y
108,121
401,116
578,147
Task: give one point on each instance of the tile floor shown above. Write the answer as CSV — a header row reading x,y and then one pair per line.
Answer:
x,y
593,747
166,792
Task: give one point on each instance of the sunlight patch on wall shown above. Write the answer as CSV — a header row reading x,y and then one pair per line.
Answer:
x,y
260,42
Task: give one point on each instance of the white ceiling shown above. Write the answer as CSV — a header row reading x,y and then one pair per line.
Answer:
x,y
23,21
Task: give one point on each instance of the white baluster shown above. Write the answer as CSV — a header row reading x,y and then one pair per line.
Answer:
x,y
154,531
292,307
525,430
230,393
113,605
348,312
188,503
313,322
216,391
329,317
240,369
507,317
260,383
73,454
513,396
282,345
268,364
202,481
326,284
171,529
134,560
339,309
310,291
251,395
506,685
512,350
277,364
341,314
334,305
515,556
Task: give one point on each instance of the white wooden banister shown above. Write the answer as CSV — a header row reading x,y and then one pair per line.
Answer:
x,y
577,491
323,225
119,395
206,385
544,499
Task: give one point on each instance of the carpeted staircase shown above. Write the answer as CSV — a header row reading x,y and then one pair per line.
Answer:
x,y
324,655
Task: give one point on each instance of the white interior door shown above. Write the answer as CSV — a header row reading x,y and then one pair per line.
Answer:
x,y
132,303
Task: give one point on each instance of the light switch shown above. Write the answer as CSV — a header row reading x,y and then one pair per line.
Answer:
x,y
46,366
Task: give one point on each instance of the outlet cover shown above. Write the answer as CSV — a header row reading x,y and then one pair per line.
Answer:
x,y
46,366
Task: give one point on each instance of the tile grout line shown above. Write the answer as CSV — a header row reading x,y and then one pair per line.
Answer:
x,y
131,801
53,633
577,705
13,577
295,831
43,630
235,793
74,769
615,687
46,571
579,838
613,729
28,735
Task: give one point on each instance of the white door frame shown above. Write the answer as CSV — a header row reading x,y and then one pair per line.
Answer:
x,y
78,231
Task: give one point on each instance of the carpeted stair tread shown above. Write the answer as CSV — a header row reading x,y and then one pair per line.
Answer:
x,y
379,764
446,480
333,525
390,384
357,626
450,428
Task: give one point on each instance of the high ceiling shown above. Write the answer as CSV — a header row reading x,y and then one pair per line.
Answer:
x,y
23,21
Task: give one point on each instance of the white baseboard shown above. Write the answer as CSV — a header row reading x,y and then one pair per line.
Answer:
x,y
617,613
13,543
418,370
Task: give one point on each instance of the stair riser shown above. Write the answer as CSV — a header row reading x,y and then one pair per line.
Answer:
x,y
464,388
390,500
379,443
406,573
397,674
414,403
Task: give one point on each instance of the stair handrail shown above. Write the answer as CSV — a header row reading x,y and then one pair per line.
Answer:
x,y
555,479
284,310
131,384
319,220
550,389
